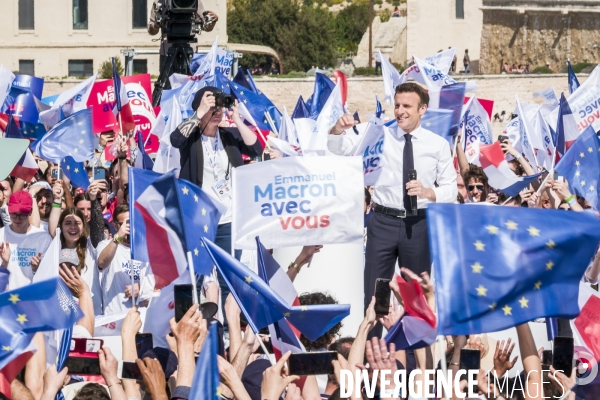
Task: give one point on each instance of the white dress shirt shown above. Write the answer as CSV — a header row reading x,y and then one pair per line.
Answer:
x,y
432,158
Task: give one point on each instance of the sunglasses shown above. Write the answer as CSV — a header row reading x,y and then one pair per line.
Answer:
x,y
471,187
18,216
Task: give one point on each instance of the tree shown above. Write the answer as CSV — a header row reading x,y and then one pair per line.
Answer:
x,y
106,72
350,25
301,35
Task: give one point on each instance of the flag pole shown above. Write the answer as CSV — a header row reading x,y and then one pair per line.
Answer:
x,y
506,201
132,282
262,345
440,340
193,277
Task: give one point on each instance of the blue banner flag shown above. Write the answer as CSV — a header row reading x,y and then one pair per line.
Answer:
x,y
44,306
439,121
378,108
323,88
63,354
143,160
251,82
240,79
452,98
300,111
512,265
117,85
257,105
573,81
581,167
262,306
76,172
70,137
207,382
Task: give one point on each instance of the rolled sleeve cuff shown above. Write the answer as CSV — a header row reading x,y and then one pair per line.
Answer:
x,y
181,393
445,194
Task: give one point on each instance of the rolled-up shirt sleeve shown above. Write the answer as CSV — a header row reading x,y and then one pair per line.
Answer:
x,y
342,144
446,190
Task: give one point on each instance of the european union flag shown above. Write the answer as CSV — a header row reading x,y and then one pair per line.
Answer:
x,y
573,81
241,80
207,384
439,121
257,105
323,88
251,82
581,167
76,172
70,137
262,306
499,267
44,306
300,111
12,344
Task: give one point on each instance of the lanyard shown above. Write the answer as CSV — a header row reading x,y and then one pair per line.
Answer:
x,y
212,155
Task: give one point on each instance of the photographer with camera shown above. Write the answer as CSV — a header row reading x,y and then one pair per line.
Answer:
x,y
208,19
208,152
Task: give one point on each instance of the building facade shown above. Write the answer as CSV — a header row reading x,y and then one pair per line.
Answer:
x,y
61,38
435,25
537,32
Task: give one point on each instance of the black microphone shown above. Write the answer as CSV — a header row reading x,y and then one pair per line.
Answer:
x,y
412,176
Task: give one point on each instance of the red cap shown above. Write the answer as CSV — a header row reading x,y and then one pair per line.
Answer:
x,y
20,202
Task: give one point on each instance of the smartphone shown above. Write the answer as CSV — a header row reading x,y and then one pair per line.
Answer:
x,y
129,370
56,173
86,345
562,355
143,343
382,296
470,359
318,363
503,138
99,174
547,357
183,301
555,177
83,365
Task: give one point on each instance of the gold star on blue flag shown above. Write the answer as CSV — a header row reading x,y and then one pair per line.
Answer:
x,y
525,270
583,173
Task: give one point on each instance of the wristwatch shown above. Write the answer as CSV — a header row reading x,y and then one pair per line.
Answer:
x,y
294,265
117,239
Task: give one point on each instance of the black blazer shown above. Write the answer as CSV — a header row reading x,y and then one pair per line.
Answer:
x,y
192,154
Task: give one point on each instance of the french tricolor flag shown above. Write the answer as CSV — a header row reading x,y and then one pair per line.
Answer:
x,y
418,327
499,174
122,106
164,247
26,168
284,337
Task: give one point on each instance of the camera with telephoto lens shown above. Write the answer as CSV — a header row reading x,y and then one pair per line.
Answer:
x,y
223,99
179,19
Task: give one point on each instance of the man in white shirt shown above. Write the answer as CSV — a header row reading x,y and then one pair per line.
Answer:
x,y
26,242
397,231
114,259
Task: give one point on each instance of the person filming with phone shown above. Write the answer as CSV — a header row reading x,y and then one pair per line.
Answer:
x,y
418,170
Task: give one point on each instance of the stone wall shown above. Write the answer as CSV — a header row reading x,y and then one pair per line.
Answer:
x,y
537,37
361,91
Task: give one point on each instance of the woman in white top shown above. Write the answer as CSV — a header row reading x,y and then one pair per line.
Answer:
x,y
74,234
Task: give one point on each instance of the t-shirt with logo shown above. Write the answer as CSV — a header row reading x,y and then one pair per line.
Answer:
x,y
23,246
117,276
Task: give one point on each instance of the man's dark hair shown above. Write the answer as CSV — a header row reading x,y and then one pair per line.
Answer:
x,y
92,391
317,298
342,346
518,167
120,209
475,172
81,197
367,196
410,87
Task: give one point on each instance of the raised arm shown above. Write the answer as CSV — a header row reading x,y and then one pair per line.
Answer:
x,y
57,195
531,360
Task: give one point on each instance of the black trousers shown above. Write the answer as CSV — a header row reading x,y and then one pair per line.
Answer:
x,y
390,239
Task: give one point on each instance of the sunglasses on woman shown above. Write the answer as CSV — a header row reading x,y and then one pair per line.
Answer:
x,y
471,187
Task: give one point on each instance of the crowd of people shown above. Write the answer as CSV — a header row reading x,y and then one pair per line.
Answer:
x,y
95,263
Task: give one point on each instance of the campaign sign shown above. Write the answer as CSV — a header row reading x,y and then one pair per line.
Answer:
x,y
298,201
224,62
20,101
102,98
585,103
371,148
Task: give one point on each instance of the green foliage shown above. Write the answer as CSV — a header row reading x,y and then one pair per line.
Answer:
x,y
301,34
364,71
105,71
577,68
349,27
542,70
385,15
293,74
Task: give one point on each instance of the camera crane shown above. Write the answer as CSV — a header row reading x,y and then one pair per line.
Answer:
x,y
179,22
